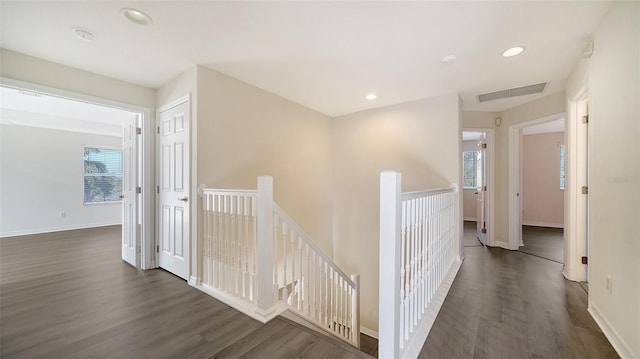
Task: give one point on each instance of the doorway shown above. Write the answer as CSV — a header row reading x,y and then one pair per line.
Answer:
x,y
478,185
95,177
537,179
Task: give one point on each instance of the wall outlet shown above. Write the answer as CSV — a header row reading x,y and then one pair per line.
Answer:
x,y
62,214
609,284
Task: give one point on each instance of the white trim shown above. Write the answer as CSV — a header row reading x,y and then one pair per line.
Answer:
x,y
501,244
369,332
194,281
26,232
543,224
242,306
469,219
621,347
147,182
422,332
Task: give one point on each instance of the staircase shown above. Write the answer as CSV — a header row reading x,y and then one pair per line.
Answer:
x,y
256,259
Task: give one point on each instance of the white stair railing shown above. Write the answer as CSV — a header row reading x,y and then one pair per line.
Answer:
x,y
419,254
258,260
313,286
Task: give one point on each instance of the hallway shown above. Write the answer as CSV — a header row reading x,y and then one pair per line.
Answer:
x,y
507,304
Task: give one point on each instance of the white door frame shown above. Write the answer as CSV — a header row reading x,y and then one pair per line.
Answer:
x,y
576,209
515,177
147,181
490,171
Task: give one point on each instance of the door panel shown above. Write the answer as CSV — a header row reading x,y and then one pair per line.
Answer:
x,y
129,195
173,197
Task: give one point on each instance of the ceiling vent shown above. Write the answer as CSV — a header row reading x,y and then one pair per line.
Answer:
x,y
512,92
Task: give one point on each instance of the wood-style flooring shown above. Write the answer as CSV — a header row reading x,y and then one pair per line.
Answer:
x,y
543,242
508,304
69,295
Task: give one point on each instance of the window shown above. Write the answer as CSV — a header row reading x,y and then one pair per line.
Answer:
x,y
469,169
102,175
562,159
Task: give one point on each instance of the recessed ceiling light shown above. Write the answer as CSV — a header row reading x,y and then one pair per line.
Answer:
x,y
371,96
514,51
449,59
84,34
136,16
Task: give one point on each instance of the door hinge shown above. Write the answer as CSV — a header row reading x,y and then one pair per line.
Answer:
x,y
585,119
585,189
157,248
484,188
157,189
158,129
484,145
138,131
484,230
585,260
138,190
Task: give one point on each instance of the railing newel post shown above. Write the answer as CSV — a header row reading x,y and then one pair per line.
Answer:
x,y
265,265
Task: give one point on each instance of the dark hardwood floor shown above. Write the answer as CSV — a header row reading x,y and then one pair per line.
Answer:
x,y
469,235
69,295
543,242
507,304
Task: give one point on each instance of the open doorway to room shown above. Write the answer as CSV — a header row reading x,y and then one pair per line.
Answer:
x,y
477,188
543,185
71,162
536,187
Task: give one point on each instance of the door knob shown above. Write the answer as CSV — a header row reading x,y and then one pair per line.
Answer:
x,y
184,199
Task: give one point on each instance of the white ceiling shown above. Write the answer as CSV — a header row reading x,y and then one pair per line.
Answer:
x,y
26,108
324,55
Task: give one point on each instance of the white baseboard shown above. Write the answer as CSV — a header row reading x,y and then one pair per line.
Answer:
x,y
543,224
504,245
243,306
25,232
621,347
470,219
369,332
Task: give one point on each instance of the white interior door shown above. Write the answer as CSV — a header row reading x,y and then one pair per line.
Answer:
x,y
129,190
173,197
481,182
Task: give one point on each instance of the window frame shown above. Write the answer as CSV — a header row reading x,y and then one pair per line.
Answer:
x,y
84,174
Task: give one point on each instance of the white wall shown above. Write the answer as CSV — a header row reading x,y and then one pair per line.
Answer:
x,y
613,75
542,199
42,175
421,139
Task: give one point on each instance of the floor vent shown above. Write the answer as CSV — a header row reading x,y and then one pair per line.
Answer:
x,y
512,92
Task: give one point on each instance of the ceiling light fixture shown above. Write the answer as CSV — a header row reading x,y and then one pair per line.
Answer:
x,y
371,96
84,34
513,51
136,16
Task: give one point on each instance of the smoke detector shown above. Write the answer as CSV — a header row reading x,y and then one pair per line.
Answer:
x,y
84,34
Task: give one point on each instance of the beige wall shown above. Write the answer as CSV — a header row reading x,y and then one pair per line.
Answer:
x,y
542,199
421,139
244,132
613,74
